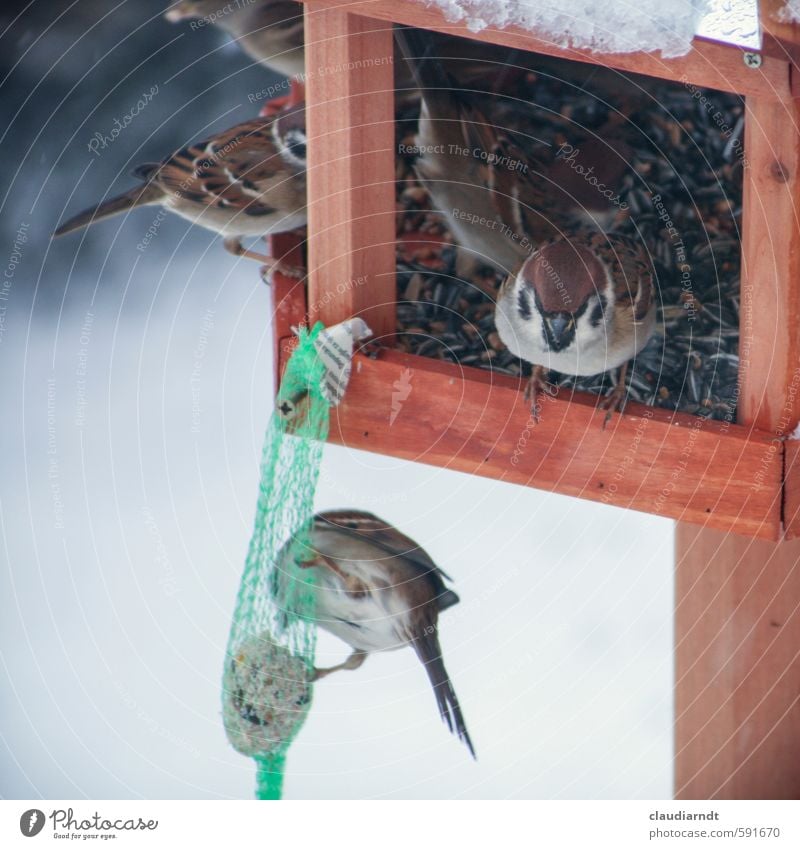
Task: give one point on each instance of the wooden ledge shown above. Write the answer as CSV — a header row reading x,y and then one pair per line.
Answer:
x,y
679,466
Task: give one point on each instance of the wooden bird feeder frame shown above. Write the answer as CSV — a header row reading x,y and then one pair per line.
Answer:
x,y
734,488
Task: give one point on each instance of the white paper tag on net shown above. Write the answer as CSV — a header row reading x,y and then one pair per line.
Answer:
x,y
335,348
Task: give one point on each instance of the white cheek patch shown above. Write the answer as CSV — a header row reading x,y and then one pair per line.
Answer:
x,y
522,335
536,326
586,336
293,148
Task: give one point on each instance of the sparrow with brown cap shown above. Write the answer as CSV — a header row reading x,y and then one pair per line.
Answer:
x,y
502,195
378,590
581,306
249,180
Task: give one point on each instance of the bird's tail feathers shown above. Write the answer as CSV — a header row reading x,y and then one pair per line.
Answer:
x,y
419,51
430,653
140,196
442,97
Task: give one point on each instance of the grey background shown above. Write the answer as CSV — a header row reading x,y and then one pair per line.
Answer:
x,y
124,532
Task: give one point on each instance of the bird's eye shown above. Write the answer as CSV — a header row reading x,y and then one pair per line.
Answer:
x,y
597,314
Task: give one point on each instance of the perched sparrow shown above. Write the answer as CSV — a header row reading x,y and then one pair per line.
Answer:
x,y
247,181
377,590
587,178
272,33
501,200
580,306
269,31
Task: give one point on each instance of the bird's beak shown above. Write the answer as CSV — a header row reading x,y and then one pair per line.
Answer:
x,y
559,325
179,12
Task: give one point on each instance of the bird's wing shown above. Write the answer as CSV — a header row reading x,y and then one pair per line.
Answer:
x,y
368,527
519,191
233,170
632,271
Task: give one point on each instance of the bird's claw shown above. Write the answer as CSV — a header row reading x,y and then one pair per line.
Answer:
x,y
353,662
614,402
535,388
272,266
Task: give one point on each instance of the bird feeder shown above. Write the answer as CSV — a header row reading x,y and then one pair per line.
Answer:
x,y
734,489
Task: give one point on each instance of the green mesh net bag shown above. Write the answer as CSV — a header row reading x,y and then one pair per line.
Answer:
x,y
269,662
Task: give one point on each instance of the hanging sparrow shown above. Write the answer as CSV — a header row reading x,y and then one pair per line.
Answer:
x,y
269,31
501,200
580,306
377,590
249,180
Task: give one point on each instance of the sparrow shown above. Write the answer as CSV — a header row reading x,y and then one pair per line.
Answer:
x,y
580,305
502,198
272,33
249,180
269,31
378,590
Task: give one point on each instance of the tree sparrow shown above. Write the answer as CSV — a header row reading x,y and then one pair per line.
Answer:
x,y
272,33
377,590
581,306
247,181
501,200
269,31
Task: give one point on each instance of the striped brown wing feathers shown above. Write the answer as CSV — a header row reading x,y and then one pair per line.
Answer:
x,y
496,148
234,170
520,193
631,268
640,269
514,178
178,175
369,527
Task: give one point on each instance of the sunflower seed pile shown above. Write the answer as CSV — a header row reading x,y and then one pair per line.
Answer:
x,y
683,190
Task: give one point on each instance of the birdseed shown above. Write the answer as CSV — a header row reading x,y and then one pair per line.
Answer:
x,y
686,166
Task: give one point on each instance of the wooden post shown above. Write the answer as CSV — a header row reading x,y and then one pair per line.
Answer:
x,y
737,622
287,299
781,38
351,162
